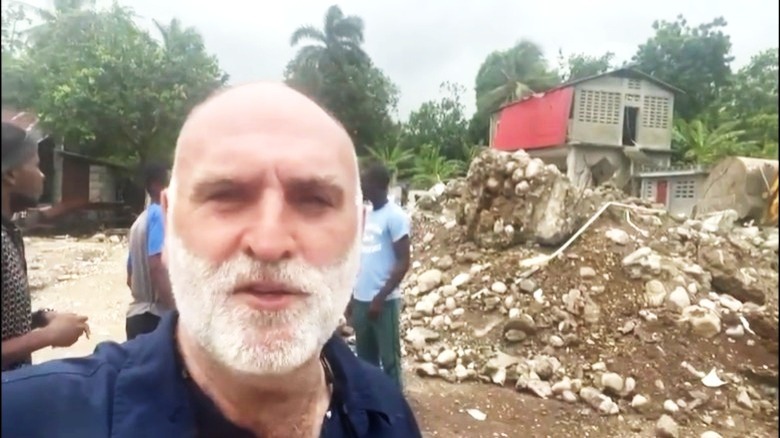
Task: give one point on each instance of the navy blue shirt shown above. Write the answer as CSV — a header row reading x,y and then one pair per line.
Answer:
x,y
139,389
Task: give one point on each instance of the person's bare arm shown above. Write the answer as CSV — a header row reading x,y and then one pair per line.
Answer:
x,y
161,284
402,250
15,350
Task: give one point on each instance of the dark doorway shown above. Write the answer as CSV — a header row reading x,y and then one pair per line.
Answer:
x,y
630,115
46,159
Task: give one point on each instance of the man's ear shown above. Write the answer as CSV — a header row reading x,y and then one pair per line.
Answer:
x,y
9,178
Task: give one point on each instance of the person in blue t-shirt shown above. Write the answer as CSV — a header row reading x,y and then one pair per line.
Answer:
x,y
147,277
376,303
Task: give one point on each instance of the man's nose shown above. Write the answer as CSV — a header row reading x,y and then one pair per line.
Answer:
x,y
269,237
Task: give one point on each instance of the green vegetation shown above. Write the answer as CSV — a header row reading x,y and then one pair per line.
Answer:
x,y
109,88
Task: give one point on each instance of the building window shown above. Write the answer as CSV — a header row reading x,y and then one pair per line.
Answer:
x,y
648,189
601,107
634,84
633,99
684,189
655,112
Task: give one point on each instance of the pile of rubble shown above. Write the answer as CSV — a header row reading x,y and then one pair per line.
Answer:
x,y
643,313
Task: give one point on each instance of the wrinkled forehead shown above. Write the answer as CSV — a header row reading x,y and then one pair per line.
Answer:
x,y
260,155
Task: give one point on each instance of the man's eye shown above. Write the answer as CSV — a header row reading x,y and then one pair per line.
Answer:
x,y
226,196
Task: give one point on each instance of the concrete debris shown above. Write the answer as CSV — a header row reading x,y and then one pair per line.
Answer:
x,y
587,325
666,427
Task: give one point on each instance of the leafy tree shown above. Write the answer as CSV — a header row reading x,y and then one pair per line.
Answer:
x,y
108,88
337,74
13,17
431,167
512,74
337,43
694,59
506,76
393,156
753,99
441,124
580,65
696,141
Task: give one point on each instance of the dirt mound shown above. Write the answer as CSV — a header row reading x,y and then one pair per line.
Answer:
x,y
643,314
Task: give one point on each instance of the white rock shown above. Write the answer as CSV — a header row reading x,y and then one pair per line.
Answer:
x,y
429,280
499,377
655,293
629,386
743,399
450,304
730,303
425,307
446,358
735,332
540,388
704,323
448,290
514,313
563,385
498,287
599,366
712,380
555,341
461,372
587,272
710,434
670,406
569,396
636,256
458,312
639,401
618,236
534,168
427,370
666,427
678,299
460,279
707,304
612,382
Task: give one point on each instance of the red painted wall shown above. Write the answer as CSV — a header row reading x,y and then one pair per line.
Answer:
x,y
535,123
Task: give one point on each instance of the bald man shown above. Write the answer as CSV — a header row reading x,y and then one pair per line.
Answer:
x,y
263,229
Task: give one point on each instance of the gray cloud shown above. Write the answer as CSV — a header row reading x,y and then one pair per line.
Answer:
x,y
421,44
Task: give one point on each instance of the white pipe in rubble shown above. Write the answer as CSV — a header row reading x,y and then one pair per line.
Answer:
x,y
544,259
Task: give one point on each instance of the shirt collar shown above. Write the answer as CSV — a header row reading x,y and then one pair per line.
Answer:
x,y
153,366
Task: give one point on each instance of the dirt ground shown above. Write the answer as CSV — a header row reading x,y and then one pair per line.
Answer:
x,y
88,277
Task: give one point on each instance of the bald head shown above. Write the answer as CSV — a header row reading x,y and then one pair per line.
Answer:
x,y
261,148
267,107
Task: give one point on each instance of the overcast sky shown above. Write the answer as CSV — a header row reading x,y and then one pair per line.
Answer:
x,y
420,44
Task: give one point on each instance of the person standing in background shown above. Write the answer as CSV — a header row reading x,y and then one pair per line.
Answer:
x,y
376,305
147,277
25,332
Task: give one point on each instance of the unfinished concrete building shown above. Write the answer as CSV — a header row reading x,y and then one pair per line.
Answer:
x,y
595,129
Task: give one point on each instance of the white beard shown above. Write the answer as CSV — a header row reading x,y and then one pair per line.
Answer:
x,y
247,340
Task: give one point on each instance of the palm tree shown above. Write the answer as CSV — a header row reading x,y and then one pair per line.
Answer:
x,y
431,167
59,9
510,75
701,143
393,156
338,42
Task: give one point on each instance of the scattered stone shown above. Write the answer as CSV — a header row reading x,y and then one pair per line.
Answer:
x,y
498,287
679,298
710,434
618,236
587,272
671,407
527,285
666,427
743,399
429,280
655,293
460,279
639,401
444,263
612,383
446,358
515,335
